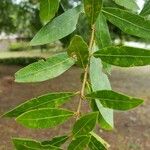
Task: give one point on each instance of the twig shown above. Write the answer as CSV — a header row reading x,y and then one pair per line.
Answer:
x,y
85,73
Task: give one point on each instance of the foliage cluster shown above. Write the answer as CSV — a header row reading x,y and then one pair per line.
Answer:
x,y
91,56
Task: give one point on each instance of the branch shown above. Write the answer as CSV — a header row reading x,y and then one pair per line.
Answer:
x,y
82,91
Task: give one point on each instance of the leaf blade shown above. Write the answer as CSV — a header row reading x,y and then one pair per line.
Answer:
x,y
96,74
44,70
60,27
97,143
124,56
49,100
92,9
114,100
78,48
79,144
103,38
100,81
44,118
56,141
85,124
48,9
130,4
128,22
29,144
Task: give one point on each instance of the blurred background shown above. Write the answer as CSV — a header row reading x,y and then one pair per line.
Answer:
x,y
19,22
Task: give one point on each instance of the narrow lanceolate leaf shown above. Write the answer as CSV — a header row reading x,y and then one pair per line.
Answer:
x,y
103,38
79,143
44,118
28,144
56,141
60,27
146,9
79,49
100,81
92,9
97,143
113,100
48,9
124,56
129,4
85,124
128,22
44,70
49,100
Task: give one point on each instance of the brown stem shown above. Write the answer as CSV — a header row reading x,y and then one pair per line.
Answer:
x,y
85,73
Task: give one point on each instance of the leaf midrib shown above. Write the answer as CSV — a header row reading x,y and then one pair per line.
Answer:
x,y
116,100
50,101
57,99
123,56
46,118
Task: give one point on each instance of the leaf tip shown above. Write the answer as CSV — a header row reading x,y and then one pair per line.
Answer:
x,y
140,101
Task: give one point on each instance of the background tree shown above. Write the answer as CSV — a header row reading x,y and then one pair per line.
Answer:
x,y
8,15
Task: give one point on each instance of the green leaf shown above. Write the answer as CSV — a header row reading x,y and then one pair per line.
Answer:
x,y
113,100
60,27
103,38
56,141
110,3
105,117
100,81
96,74
44,70
28,144
49,100
128,22
48,9
129,4
79,143
85,124
44,118
92,9
97,143
146,9
78,48
124,56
